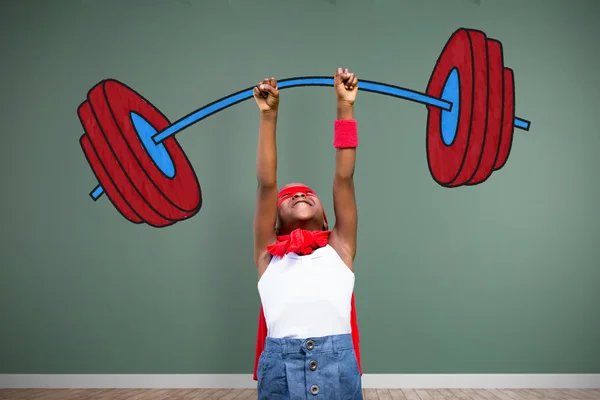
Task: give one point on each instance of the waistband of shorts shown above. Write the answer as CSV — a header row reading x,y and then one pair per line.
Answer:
x,y
322,344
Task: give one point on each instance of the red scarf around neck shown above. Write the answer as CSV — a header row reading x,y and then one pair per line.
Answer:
x,y
301,242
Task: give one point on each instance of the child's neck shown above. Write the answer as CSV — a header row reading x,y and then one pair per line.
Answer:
x,y
308,226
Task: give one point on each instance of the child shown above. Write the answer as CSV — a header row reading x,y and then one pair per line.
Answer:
x,y
307,341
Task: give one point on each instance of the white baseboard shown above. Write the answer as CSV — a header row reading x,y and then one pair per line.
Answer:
x,y
239,381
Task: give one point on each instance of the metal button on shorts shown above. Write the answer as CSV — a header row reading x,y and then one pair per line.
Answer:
x,y
310,345
313,365
314,389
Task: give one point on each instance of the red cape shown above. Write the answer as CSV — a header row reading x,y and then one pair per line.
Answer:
x,y
262,335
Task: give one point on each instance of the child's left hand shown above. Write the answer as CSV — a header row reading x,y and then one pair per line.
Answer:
x,y
346,86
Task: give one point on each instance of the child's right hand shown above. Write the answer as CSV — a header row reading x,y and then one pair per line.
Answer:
x,y
266,95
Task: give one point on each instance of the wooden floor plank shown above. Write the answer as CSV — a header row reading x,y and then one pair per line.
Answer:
x,y
233,394
448,395
248,394
143,394
589,395
590,392
124,394
423,394
53,394
533,394
473,394
436,394
167,394
547,393
183,394
219,394
523,394
565,394
460,394
206,394
384,394
487,394
196,394
500,394
397,394
163,394
410,394
6,393
513,393
583,394
244,394
370,394
24,394
573,394
101,394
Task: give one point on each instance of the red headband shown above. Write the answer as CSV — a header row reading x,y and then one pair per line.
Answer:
x,y
290,191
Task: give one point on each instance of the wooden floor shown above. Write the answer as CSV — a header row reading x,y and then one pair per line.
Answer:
x,y
240,394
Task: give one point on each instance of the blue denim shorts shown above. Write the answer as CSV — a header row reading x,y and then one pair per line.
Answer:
x,y
315,368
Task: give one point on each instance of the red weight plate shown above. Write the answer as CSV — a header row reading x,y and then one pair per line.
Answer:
x,y
89,122
117,177
174,198
494,112
454,164
109,188
508,120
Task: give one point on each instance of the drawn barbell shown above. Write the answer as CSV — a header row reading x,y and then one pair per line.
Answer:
x,y
131,146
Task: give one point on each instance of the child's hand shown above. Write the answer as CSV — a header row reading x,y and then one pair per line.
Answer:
x,y
266,95
346,86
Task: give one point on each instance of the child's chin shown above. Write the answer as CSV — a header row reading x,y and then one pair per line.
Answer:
x,y
304,215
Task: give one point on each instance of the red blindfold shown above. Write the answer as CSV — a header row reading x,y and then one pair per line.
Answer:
x,y
286,193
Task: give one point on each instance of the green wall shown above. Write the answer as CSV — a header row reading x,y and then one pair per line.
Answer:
x,y
502,277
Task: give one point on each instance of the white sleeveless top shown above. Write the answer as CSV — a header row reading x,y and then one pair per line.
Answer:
x,y
307,296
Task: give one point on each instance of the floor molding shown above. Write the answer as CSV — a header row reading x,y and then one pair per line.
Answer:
x,y
244,381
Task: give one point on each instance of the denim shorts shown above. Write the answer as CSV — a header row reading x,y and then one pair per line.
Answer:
x,y
315,368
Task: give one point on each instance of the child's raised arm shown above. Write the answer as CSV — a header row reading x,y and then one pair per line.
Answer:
x,y
343,235
266,95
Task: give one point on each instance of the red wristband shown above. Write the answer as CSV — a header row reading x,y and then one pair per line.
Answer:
x,y
345,134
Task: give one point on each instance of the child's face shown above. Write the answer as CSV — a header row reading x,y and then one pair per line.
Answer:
x,y
300,209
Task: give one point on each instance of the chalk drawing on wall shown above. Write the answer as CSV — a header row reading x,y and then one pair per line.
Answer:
x,y
138,163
